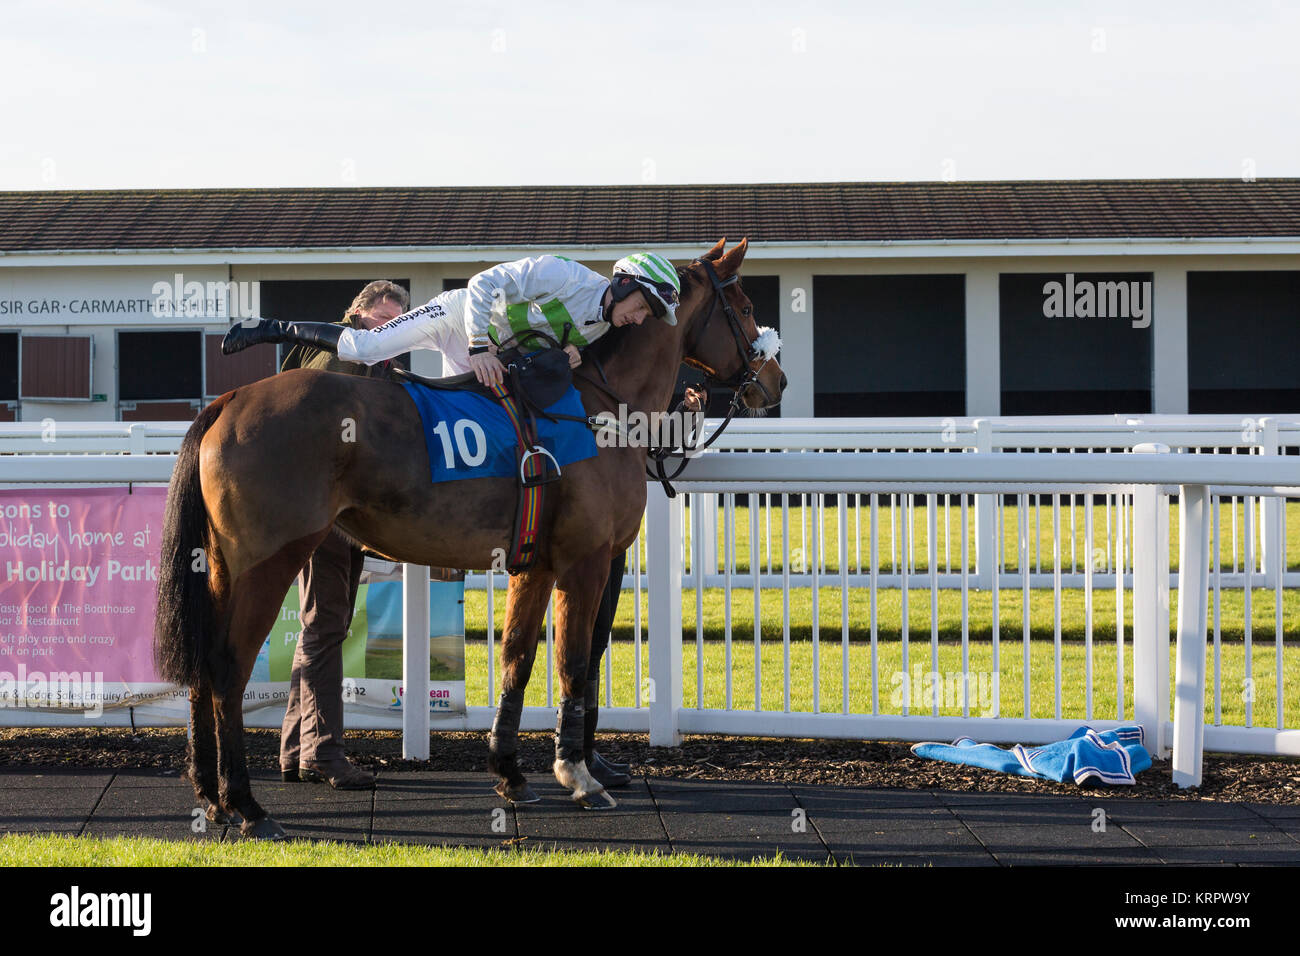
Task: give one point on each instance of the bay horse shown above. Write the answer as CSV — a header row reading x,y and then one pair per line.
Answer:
x,y
268,469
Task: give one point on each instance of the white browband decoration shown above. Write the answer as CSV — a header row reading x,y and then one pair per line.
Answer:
x,y
767,344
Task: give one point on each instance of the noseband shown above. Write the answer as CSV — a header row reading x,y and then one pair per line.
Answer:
x,y
745,376
750,352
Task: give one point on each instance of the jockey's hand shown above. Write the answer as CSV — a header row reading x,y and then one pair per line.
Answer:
x,y
575,357
695,399
487,368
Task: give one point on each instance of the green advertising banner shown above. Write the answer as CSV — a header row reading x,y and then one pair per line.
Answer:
x,y
372,651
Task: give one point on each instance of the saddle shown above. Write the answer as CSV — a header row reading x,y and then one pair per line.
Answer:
x,y
538,378
534,381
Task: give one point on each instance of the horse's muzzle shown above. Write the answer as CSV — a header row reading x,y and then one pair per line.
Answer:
x,y
768,398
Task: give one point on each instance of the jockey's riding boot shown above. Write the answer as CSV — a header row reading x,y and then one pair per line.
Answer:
x,y
607,774
320,335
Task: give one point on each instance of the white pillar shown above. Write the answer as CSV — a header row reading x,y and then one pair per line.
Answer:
x,y
706,551
986,517
664,568
1151,611
1169,342
796,294
426,282
415,662
1272,543
983,338
1193,582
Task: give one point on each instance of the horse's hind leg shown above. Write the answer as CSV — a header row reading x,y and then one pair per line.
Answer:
x,y
529,593
250,613
202,754
236,789
580,591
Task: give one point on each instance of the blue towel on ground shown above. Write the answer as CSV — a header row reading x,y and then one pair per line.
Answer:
x,y
469,435
1112,756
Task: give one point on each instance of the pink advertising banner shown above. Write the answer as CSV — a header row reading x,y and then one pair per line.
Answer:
x,y
79,580
78,589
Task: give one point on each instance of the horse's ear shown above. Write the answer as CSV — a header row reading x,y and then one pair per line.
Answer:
x,y
715,253
729,264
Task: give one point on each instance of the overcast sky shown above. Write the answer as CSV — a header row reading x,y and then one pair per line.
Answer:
x,y
132,93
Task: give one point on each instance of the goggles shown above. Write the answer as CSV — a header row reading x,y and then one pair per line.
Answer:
x,y
625,284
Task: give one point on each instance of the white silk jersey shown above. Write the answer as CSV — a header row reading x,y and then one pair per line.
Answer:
x,y
547,293
438,324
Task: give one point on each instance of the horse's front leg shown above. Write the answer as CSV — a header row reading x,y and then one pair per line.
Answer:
x,y
580,593
525,610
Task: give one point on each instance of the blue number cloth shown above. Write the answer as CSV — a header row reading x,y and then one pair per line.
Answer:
x,y
470,420
1112,756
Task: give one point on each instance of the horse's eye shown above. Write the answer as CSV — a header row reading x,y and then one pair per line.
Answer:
x,y
747,310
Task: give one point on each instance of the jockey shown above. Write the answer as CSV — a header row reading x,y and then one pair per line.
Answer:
x,y
547,293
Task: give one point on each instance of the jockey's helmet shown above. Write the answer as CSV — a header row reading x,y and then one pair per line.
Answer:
x,y
652,274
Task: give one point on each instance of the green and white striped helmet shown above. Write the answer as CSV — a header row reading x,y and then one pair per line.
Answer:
x,y
654,275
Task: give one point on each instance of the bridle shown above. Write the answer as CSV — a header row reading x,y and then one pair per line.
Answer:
x,y
744,377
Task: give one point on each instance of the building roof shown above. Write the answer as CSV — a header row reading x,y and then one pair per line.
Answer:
x,y
95,220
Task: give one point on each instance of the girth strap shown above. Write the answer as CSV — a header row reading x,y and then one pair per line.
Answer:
x,y
533,478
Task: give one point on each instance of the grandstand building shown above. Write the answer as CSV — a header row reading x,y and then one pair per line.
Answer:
x,y
892,299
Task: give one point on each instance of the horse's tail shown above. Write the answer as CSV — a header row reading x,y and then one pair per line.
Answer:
x,y
185,617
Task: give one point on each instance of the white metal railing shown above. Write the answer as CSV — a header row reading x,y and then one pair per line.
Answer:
x,y
1215,434
1135,486
789,434
1140,484
1150,477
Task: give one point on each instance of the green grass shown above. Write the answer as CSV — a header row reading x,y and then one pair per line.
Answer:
x,y
889,614
893,677
948,624
30,850
1040,532
889,651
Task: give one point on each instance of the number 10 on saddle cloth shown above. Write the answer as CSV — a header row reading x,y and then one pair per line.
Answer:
x,y
469,435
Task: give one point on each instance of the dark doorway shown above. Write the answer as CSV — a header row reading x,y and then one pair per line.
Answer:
x,y
1088,364
890,346
1243,330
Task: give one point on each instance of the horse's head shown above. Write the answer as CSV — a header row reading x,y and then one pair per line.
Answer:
x,y
722,338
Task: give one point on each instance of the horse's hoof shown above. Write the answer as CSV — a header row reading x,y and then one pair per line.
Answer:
x,y
598,800
519,793
587,791
263,829
223,817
